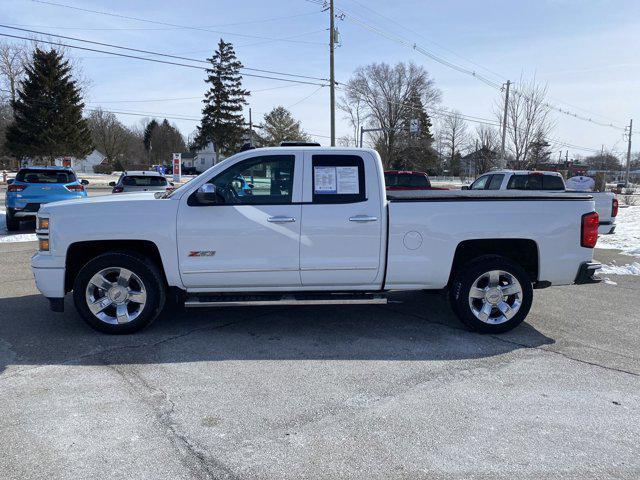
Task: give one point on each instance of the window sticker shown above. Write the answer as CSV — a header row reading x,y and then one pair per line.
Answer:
x,y
347,180
324,179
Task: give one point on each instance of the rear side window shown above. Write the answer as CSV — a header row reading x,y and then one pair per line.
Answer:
x,y
144,181
45,176
525,182
495,182
338,179
406,180
551,182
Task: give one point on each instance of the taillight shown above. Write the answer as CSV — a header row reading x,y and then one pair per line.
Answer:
x,y
117,190
75,188
589,230
614,207
15,188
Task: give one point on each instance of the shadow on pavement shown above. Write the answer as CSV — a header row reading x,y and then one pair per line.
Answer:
x,y
418,327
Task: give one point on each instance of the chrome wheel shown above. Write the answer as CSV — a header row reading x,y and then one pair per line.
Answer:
x,y
116,295
495,297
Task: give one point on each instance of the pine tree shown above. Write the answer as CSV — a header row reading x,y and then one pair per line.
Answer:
x,y
415,151
48,119
148,132
222,120
280,126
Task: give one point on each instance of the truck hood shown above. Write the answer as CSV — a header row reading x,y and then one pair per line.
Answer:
x,y
100,199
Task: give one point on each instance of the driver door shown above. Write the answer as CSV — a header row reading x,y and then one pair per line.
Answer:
x,y
250,236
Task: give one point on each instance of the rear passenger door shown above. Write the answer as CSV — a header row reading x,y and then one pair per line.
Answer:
x,y
342,218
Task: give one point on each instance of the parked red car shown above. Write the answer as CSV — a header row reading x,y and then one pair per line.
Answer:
x,y
408,180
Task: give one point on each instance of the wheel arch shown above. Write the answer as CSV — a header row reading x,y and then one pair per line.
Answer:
x,y
522,251
79,253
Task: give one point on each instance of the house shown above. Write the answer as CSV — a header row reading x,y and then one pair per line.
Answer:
x,y
201,159
478,162
80,165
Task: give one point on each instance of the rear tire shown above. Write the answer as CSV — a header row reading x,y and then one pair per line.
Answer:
x,y
119,292
13,223
491,294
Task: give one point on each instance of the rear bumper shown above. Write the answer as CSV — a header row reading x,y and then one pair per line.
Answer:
x,y
606,228
587,273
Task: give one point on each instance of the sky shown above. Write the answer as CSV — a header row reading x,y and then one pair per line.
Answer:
x,y
587,52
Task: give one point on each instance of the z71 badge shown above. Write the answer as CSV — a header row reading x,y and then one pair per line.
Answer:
x,y
202,253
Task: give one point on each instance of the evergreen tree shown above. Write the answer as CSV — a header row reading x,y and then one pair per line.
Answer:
x,y
222,120
48,119
148,132
415,148
539,152
280,126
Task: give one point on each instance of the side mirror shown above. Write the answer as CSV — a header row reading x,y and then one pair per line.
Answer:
x,y
112,184
84,182
10,181
250,185
207,194
465,187
172,184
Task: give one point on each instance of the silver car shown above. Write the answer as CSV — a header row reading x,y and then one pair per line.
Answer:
x,y
141,181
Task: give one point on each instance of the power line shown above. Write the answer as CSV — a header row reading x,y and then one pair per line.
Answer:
x,y
248,22
150,52
153,59
167,24
408,43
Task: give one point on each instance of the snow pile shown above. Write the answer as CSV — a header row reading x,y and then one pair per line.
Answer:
x,y
628,269
5,237
627,235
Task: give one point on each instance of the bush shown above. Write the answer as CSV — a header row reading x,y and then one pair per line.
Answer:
x,y
103,168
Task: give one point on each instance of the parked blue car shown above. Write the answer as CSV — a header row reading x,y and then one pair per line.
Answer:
x,y
34,186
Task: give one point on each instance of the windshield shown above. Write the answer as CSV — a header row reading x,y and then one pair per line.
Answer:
x,y
406,180
45,176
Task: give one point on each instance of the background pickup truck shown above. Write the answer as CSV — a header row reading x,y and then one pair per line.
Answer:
x,y
606,203
318,228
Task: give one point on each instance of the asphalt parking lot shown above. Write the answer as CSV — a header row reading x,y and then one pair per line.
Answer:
x,y
371,392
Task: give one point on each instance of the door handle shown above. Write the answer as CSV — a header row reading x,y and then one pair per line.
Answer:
x,y
363,218
281,219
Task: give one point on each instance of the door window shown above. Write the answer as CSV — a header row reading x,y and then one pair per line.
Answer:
x,y
338,179
495,182
480,183
263,180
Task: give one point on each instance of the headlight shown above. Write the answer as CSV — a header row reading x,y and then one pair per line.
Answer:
x,y
43,223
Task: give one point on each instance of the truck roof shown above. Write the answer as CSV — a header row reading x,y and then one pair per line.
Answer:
x,y
527,172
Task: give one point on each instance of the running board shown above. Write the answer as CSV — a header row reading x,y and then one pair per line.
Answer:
x,y
288,299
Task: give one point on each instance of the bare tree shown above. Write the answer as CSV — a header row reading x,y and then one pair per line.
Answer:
x,y
108,135
486,146
356,115
13,60
453,132
528,120
383,92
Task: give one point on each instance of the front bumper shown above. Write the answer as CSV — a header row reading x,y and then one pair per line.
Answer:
x,y
587,273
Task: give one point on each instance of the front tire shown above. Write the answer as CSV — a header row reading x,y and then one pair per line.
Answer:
x,y
119,292
13,223
491,294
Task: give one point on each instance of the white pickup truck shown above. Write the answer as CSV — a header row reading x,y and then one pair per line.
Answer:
x,y
309,226
606,203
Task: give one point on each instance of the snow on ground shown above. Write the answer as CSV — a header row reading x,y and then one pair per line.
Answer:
x,y
6,237
628,269
627,235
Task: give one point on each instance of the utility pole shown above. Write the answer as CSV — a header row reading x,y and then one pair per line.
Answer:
x,y
504,125
250,128
626,177
332,86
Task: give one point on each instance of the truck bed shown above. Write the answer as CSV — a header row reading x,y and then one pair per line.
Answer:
x,y
477,195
